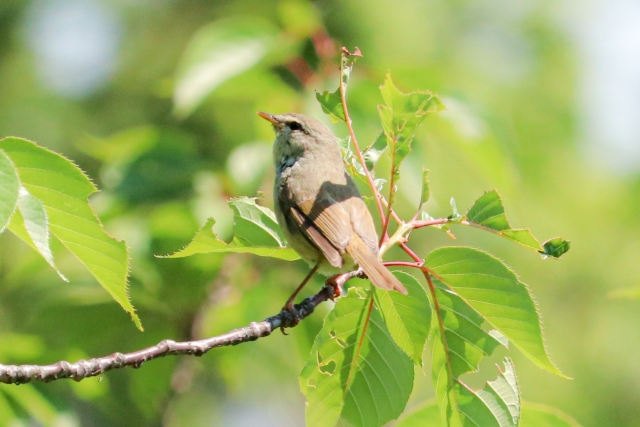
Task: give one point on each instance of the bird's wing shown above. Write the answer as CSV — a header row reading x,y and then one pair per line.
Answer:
x,y
327,224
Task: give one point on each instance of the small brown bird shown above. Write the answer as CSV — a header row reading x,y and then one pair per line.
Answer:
x,y
318,205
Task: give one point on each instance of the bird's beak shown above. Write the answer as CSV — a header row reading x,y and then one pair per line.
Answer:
x,y
271,118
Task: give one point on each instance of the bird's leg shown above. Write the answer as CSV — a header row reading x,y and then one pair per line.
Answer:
x,y
339,280
289,304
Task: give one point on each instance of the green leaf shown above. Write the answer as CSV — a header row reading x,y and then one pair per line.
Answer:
x,y
493,290
255,224
426,192
374,151
206,241
256,232
408,317
427,415
219,52
455,215
30,223
555,247
9,186
354,168
535,415
457,348
488,212
400,117
356,374
331,104
62,188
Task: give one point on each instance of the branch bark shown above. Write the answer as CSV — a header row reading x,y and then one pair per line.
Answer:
x,y
20,374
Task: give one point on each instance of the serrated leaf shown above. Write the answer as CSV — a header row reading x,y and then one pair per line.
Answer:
x,y
9,186
535,415
408,317
426,192
217,53
400,117
256,232
356,374
488,213
331,104
464,344
494,291
206,241
555,247
30,223
63,189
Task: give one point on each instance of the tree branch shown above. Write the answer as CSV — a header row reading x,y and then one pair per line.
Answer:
x,y
20,374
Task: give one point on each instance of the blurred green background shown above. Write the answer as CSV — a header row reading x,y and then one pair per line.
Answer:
x,y
156,101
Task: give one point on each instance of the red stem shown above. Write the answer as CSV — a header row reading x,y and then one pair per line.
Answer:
x,y
439,221
376,193
403,264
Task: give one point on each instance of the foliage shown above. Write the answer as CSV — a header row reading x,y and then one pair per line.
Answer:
x,y
165,164
360,369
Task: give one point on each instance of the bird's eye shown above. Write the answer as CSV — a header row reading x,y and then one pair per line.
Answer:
x,y
295,126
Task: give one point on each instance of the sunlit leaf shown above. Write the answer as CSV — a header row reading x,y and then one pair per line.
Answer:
x,y
426,192
331,102
400,116
9,186
62,188
218,52
493,290
488,213
256,232
31,224
408,317
255,224
206,241
356,374
332,105
535,415
555,247
373,152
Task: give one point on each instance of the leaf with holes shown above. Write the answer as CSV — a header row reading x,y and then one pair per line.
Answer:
x,y
465,343
488,286
408,317
62,189
355,374
9,186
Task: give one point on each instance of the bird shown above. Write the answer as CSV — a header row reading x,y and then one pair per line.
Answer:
x,y
319,207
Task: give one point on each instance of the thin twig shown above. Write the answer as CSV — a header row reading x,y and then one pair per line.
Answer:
x,y
347,118
20,374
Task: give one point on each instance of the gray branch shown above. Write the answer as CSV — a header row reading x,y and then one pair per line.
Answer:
x,y
20,374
